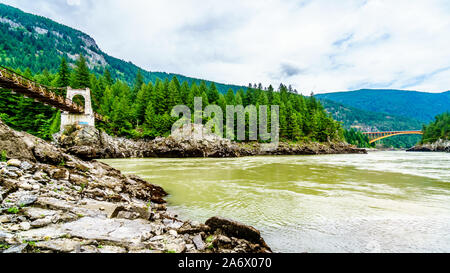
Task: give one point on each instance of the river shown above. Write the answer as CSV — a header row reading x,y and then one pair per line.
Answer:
x,y
380,202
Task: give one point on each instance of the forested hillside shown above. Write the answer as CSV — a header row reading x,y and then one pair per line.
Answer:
x,y
142,110
38,43
410,104
439,129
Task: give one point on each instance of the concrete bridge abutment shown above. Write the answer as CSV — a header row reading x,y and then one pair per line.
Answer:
x,y
85,119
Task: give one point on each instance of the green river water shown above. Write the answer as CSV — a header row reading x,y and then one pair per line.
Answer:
x,y
380,202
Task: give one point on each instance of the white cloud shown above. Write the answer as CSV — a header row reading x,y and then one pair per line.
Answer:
x,y
73,2
315,45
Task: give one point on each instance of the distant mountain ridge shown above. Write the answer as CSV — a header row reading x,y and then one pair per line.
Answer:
x,y
416,105
38,43
367,121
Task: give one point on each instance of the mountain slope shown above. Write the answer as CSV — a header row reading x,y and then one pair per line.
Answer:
x,y
411,104
38,43
356,118
367,121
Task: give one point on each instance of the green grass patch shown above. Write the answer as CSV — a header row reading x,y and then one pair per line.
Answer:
x,y
13,210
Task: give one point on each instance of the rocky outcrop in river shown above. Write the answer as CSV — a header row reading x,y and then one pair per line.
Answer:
x,y
439,146
89,143
51,201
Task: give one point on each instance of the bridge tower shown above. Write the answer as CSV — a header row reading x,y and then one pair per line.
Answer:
x,y
87,118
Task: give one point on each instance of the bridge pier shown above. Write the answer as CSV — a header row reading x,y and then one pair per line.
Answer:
x,y
85,119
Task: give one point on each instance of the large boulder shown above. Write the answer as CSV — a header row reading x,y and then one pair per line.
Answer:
x,y
82,141
13,145
235,229
21,145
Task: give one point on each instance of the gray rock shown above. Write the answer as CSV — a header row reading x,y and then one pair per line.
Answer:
x,y
46,153
26,186
16,249
25,226
59,245
107,208
158,230
26,166
111,230
14,163
112,249
127,215
54,203
157,238
27,199
41,222
43,234
236,229
221,239
59,174
4,236
8,173
172,224
37,213
5,219
198,242
19,199
39,175
178,247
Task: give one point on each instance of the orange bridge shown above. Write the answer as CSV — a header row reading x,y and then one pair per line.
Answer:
x,y
376,136
41,93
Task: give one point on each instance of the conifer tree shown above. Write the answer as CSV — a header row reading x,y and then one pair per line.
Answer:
x,y
142,100
174,95
138,82
238,99
193,92
82,74
230,99
63,74
213,94
159,101
184,93
150,118
107,77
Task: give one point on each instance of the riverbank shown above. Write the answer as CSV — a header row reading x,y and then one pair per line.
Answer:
x,y
439,146
52,201
89,143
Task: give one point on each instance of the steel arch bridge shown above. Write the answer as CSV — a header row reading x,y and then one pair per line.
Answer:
x,y
376,136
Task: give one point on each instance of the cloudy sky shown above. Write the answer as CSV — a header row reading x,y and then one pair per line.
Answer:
x,y
315,45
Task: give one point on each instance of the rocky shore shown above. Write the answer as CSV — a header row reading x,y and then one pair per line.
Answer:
x,y
439,146
89,143
54,202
